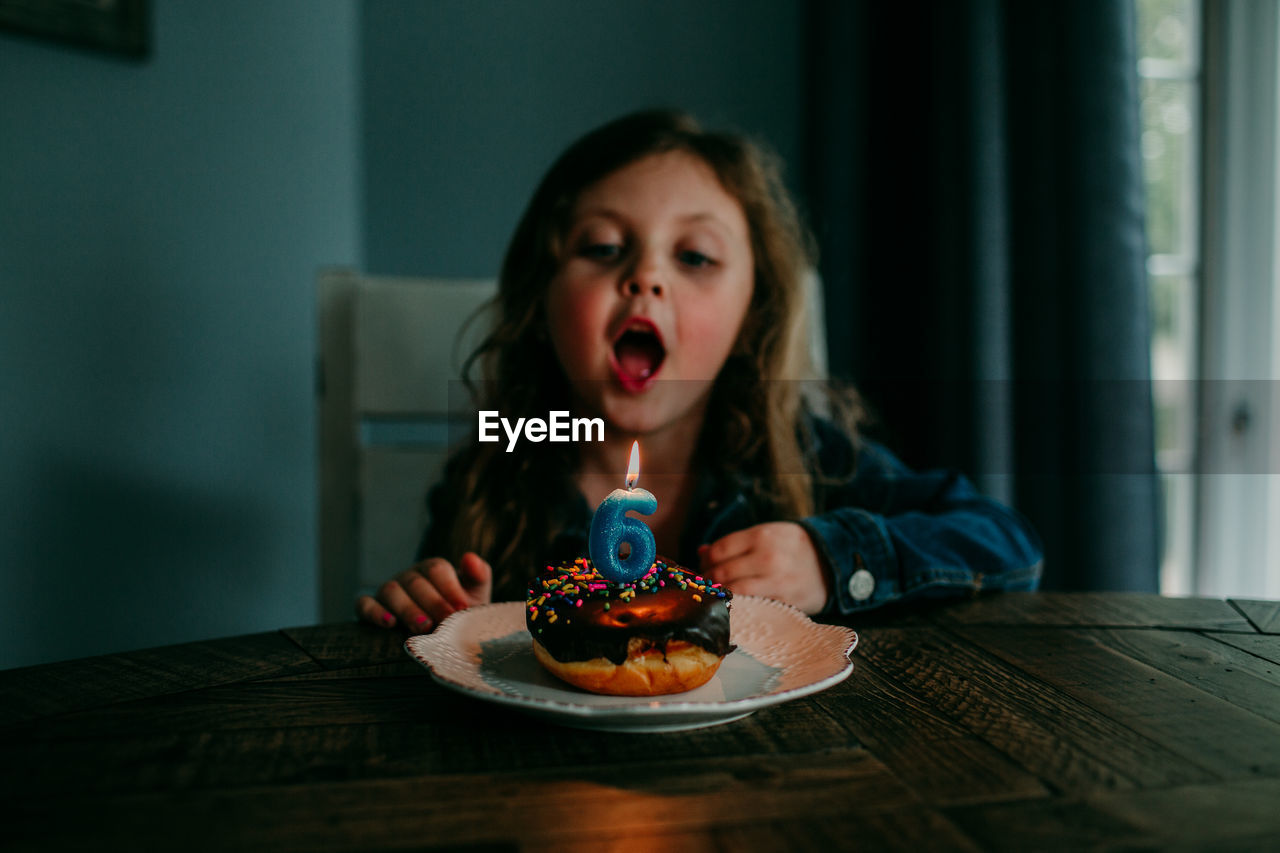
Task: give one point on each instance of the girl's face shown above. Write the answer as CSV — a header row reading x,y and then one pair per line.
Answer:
x,y
655,278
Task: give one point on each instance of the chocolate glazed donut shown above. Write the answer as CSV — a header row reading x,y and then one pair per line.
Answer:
x,y
664,633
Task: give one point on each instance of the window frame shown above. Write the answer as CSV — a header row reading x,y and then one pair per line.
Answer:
x,y
1238,491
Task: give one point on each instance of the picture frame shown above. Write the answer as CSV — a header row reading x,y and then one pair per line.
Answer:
x,y
120,27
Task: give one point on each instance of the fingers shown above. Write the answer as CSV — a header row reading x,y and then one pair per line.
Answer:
x,y
477,576
755,585
774,560
412,599
447,586
423,584
728,547
414,615
422,597
736,572
369,610
750,575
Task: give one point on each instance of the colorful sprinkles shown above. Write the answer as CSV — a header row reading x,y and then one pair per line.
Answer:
x,y
568,585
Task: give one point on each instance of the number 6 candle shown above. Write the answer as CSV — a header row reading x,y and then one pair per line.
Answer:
x,y
611,526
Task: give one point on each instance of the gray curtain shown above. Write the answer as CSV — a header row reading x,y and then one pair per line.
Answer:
x,y
975,183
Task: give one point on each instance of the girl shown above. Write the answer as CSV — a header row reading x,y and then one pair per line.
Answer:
x,y
656,281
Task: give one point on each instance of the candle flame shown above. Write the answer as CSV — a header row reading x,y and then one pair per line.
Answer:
x,y
633,469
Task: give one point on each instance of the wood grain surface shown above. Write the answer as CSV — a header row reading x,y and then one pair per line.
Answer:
x,y
1008,722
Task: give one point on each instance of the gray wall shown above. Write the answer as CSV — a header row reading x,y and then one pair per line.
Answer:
x,y
161,224
467,103
160,228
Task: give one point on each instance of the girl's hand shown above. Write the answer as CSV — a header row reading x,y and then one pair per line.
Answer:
x,y
775,560
421,597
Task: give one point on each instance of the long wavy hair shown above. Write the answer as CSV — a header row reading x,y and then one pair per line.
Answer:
x,y
753,428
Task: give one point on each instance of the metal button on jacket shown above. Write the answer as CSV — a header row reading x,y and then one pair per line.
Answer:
x,y
861,585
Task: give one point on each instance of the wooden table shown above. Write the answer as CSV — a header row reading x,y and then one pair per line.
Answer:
x,y
1014,722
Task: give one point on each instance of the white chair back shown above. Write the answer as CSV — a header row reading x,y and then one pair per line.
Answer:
x,y
391,351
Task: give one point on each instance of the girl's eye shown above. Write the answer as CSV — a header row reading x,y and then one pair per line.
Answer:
x,y
600,251
692,258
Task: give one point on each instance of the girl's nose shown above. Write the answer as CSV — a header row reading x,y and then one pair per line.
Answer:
x,y
635,288
646,274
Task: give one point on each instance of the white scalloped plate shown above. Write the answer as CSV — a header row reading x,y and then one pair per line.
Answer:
x,y
485,652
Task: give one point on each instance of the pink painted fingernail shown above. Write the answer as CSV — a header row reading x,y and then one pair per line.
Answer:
x,y
388,618
421,618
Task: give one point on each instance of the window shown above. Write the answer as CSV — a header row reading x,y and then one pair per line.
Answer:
x,y
1210,73
1170,70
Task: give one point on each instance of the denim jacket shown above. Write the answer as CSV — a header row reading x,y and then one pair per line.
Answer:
x,y
887,534
893,534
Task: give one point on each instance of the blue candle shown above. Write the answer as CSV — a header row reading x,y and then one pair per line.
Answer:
x,y
611,526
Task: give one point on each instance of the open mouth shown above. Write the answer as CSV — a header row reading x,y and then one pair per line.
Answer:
x,y
637,355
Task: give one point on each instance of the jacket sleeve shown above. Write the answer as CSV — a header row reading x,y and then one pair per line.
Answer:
x,y
892,534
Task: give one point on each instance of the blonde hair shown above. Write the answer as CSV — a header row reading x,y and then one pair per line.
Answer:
x,y
502,510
